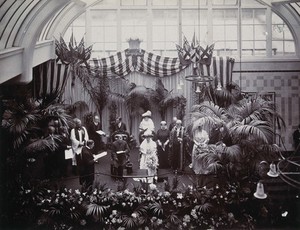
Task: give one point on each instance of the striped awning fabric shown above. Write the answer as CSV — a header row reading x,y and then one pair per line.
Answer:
x,y
50,78
159,66
149,63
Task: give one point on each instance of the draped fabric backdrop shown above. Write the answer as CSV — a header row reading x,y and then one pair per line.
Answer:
x,y
141,70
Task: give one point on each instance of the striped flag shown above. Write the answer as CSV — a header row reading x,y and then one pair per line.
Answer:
x,y
121,65
50,79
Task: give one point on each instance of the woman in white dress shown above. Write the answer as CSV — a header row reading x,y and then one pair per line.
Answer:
x,y
148,155
200,148
146,124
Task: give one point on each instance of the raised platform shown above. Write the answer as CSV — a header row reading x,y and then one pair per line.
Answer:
x,y
137,173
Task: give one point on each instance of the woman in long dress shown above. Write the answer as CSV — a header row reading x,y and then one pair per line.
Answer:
x,y
200,148
148,155
146,124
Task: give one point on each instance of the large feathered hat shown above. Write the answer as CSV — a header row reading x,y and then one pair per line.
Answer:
x,y
147,114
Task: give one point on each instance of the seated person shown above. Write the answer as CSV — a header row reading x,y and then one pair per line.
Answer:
x,y
120,154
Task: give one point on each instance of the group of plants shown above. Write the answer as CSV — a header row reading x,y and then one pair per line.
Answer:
x,y
187,207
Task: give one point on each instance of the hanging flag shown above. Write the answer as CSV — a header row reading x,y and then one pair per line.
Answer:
x,y
186,49
180,55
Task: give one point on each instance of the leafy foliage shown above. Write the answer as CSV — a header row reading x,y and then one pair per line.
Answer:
x,y
241,130
99,207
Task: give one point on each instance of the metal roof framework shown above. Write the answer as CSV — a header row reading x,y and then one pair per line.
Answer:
x,y
28,27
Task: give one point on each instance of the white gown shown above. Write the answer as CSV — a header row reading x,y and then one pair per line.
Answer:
x,y
149,159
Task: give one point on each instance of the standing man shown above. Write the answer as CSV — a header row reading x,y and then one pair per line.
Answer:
x,y
120,154
176,146
120,126
296,139
78,137
86,165
92,129
172,124
163,136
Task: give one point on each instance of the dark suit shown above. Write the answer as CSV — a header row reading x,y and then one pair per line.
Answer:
x,y
177,148
93,135
120,127
119,160
85,163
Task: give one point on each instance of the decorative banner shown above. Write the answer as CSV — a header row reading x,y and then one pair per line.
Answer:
x,y
50,79
149,63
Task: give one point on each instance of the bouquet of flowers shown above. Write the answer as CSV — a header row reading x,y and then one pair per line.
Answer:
x,y
152,162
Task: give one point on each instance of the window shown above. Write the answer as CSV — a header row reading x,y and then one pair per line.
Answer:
x,y
254,36
133,25
194,21
162,23
282,39
164,30
225,33
103,32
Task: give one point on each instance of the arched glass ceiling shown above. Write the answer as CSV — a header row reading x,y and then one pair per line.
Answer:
x,y
296,7
12,16
13,13
247,28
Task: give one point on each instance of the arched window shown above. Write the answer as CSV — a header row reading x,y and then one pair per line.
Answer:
x,y
238,28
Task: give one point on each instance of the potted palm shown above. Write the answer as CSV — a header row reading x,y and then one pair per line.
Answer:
x,y
241,131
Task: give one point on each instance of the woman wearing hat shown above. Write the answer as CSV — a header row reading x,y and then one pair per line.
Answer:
x,y
148,155
146,124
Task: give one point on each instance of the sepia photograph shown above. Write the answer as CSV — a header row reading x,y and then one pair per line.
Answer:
x,y
149,114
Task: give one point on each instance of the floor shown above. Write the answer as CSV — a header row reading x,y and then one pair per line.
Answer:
x,y
103,175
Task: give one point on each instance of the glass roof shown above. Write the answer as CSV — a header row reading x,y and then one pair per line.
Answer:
x,y
296,7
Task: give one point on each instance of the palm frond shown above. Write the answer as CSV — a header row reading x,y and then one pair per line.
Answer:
x,y
232,152
129,222
96,210
156,208
43,144
257,129
205,207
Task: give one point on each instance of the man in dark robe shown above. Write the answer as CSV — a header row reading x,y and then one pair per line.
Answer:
x,y
85,163
177,139
92,129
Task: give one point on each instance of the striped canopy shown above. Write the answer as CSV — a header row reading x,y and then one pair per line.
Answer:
x,y
51,77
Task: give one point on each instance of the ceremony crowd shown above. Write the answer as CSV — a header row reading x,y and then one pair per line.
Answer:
x,y
82,146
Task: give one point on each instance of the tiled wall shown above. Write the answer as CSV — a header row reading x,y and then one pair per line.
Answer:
x,y
284,81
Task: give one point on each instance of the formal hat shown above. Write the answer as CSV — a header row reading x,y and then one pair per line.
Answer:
x,y
147,133
163,122
147,114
